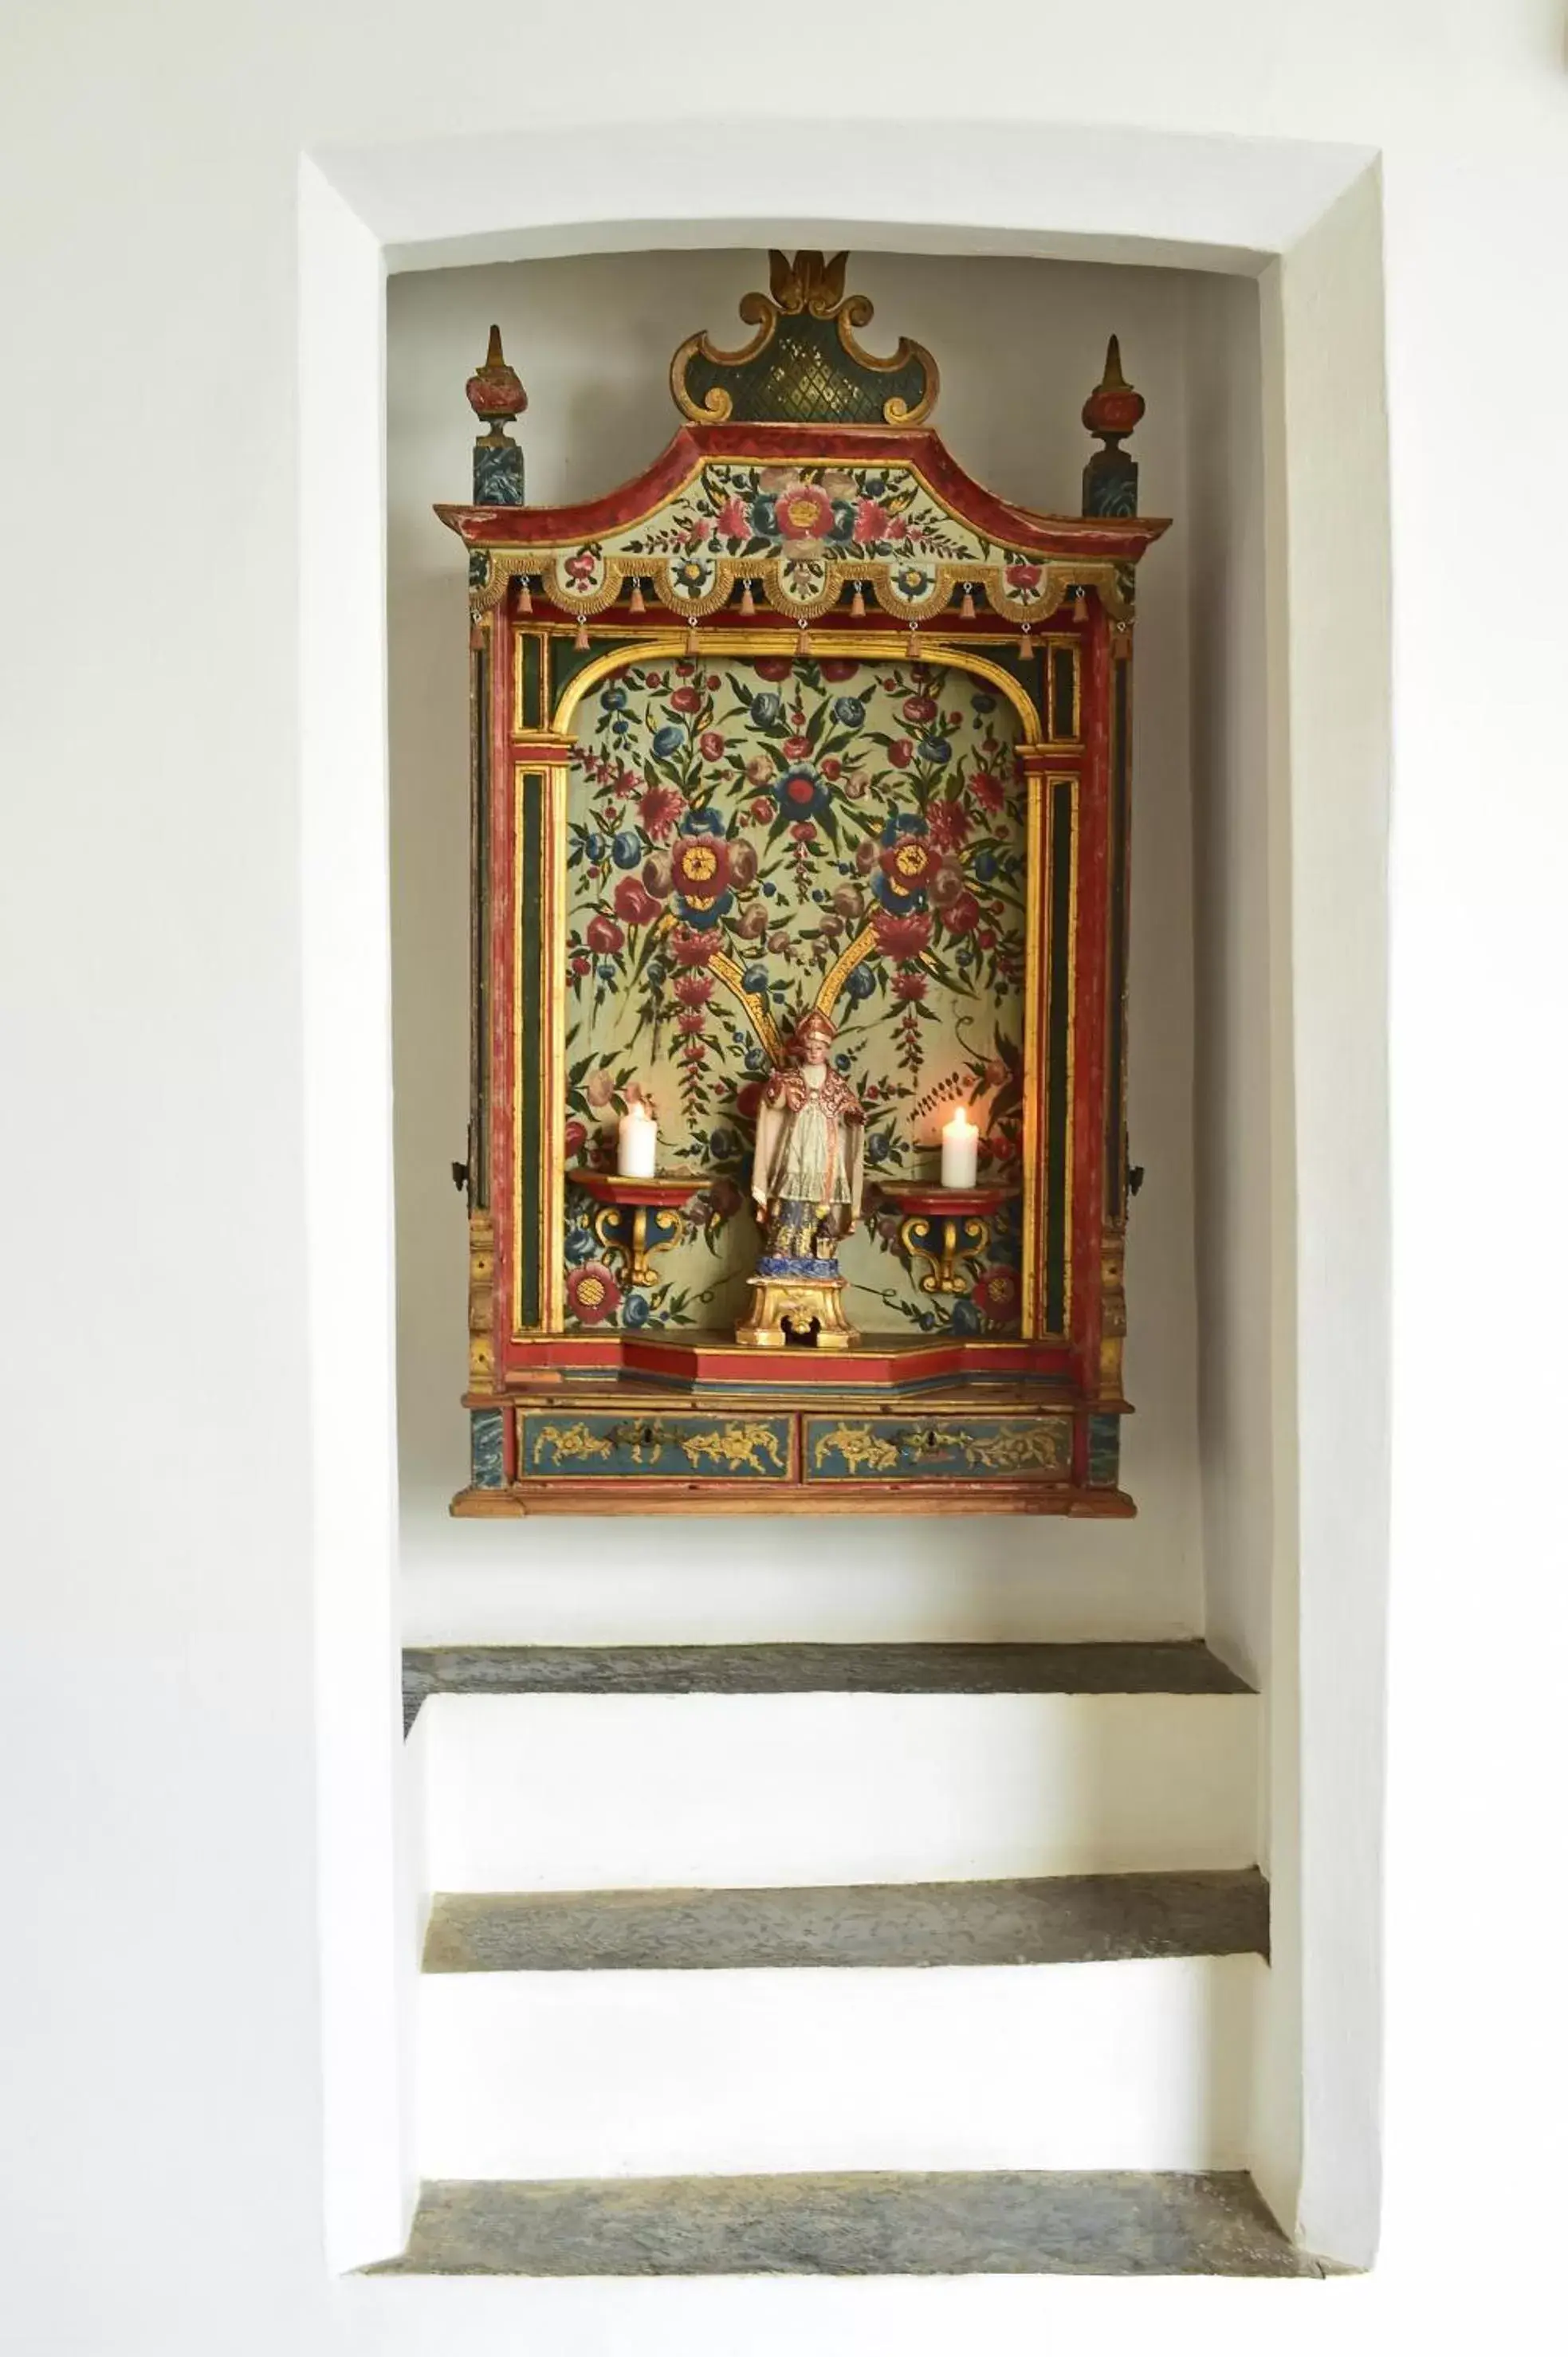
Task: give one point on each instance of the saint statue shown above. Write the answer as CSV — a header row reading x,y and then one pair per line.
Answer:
x,y
806,1175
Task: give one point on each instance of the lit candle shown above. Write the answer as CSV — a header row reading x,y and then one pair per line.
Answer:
x,y
960,1150
637,1143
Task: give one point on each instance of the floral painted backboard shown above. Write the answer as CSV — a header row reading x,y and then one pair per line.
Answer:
x,y
804,719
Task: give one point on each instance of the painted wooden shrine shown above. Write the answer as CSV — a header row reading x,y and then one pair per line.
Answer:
x,y
802,722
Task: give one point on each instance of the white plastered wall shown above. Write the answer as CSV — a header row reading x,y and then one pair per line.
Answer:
x,y
1019,343
161,1719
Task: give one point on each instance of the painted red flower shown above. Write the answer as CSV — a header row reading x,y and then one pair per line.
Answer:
x,y
732,521
693,989
1023,576
592,1292
988,791
797,748
996,1295
602,933
691,1020
711,745
773,666
582,566
901,752
576,1137
804,511
661,809
694,949
748,1100
919,709
802,831
901,937
962,914
685,699
834,669
872,522
762,808
986,938
635,904
949,823
832,768
700,865
580,965
908,985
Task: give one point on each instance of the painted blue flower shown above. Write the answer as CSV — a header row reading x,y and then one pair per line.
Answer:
x,y
902,822
860,982
606,969
928,1321
724,1145
593,846
655,972
982,703
935,750
614,697
766,708
755,978
769,890
848,711
703,822
636,1310
764,525
844,520
879,1148
801,793
580,1243
756,1061
983,867
964,1317
626,849
668,740
872,484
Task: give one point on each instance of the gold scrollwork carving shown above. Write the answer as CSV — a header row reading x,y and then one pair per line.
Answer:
x,y
951,1248
1024,1444
735,1448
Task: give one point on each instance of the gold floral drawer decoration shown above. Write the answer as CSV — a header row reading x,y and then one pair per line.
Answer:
x,y
938,1447
561,1443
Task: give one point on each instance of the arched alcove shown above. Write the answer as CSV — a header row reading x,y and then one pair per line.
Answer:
x,y
1297,1212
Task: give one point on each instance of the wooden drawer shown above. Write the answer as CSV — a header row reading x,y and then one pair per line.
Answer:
x,y
938,1447
562,1444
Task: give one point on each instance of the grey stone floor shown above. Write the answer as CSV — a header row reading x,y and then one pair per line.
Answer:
x,y
1004,2222
1063,1918
1185,1667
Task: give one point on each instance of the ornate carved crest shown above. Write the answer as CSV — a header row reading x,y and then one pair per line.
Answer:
x,y
803,366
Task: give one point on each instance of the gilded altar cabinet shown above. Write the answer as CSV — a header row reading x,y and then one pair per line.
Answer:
x,y
804,718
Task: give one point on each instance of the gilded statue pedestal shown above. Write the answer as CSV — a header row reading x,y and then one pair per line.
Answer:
x,y
797,1303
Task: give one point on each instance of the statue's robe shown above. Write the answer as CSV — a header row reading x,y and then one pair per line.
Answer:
x,y
809,1140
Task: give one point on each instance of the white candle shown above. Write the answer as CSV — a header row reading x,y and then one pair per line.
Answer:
x,y
960,1151
637,1143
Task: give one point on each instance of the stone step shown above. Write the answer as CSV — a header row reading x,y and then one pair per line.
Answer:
x,y
1063,1918
1182,1666
614,1789
1005,2222
1141,2062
